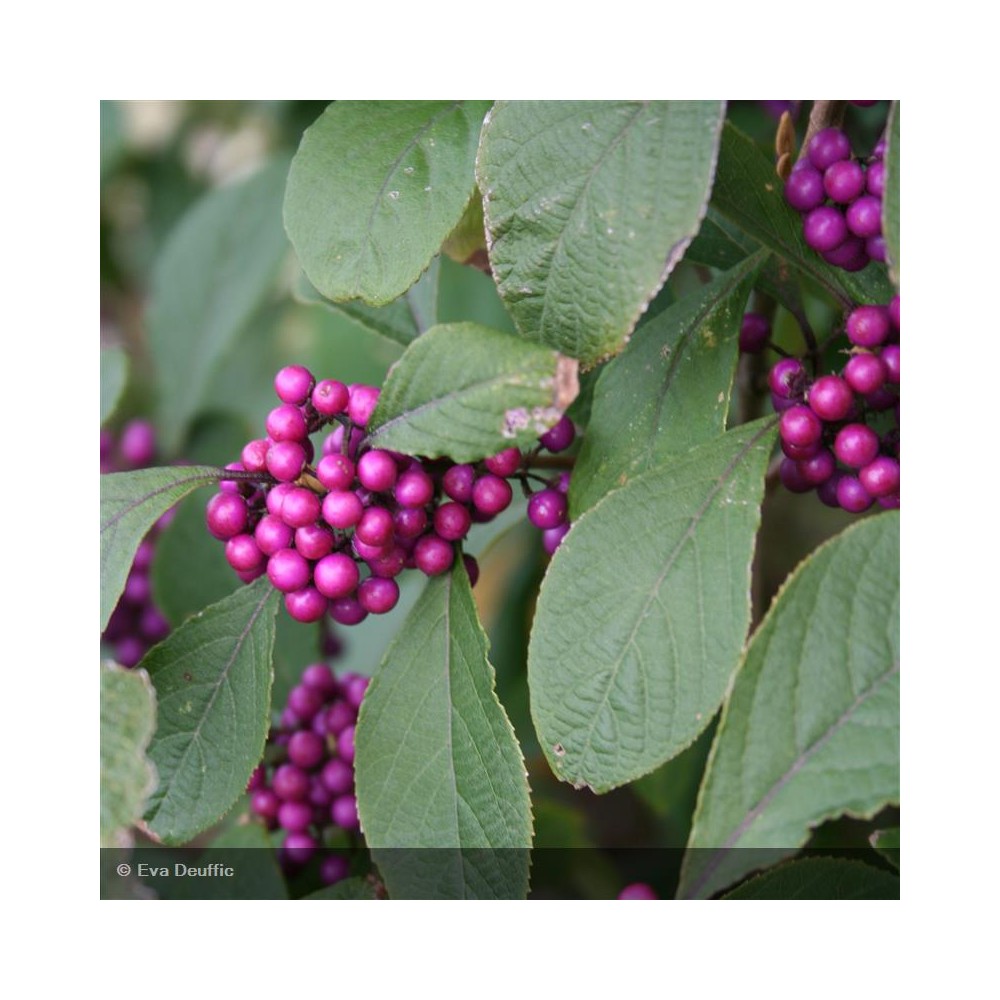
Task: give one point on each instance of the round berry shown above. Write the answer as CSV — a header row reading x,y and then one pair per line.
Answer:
x,y
638,890
825,228
894,311
552,537
293,384
452,521
375,527
330,397
844,181
849,256
787,378
306,749
243,554
336,575
410,522
138,443
285,460
378,595
355,686
344,812
547,509
342,509
865,373
377,471
290,783
800,427
414,488
306,605
864,217
856,445
300,507
272,534
491,494
755,331
338,776
890,358
875,248
319,677
265,803
792,478
557,438
830,398
334,868
347,611
433,555
313,541
827,147
817,469
868,326
875,179
298,849
852,496
286,423
226,515
804,187
881,476
288,570
471,565
362,402
336,472
253,458
457,482
304,702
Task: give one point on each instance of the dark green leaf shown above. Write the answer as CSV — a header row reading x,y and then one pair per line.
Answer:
x,y
213,686
131,502
890,203
749,192
348,888
820,878
811,728
374,190
677,374
588,206
216,269
128,717
114,370
465,391
437,762
886,842
644,611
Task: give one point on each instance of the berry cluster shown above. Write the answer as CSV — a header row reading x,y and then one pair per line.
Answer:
x,y
333,534
840,199
307,786
136,624
826,427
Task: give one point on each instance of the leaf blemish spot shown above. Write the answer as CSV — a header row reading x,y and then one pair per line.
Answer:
x,y
559,750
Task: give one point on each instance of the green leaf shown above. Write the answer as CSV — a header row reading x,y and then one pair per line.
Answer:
x,y
811,728
749,193
820,878
466,391
644,610
131,502
113,137
890,203
437,763
886,842
213,685
128,717
677,374
348,888
588,206
374,190
114,370
215,270
401,321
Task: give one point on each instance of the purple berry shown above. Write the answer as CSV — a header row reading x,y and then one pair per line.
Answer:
x,y
362,402
319,677
844,181
138,443
827,147
856,445
253,458
272,534
894,311
330,397
452,521
552,537
852,496
506,462
313,541
787,378
338,776
305,748
800,427
755,331
792,478
471,568
226,515
347,611
457,482
265,803
377,471
433,555
300,507
864,217
491,494
336,575
375,527
344,812
825,229
875,179
410,522
355,686
881,477
849,256
414,488
306,605
817,469
378,595
290,783
547,509
243,554
288,570
865,373
342,509
285,460
293,384
868,326
286,423
830,398
336,472
638,890
333,868
890,358
559,437
804,187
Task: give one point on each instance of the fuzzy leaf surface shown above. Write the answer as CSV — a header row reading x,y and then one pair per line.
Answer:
x,y
631,650
441,785
890,202
213,685
466,391
811,728
677,372
374,190
588,206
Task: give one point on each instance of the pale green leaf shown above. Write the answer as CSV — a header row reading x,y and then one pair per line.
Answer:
x,y
676,375
213,685
644,610
811,728
890,201
131,503
374,190
588,207
886,842
216,269
441,785
128,717
466,391
114,370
